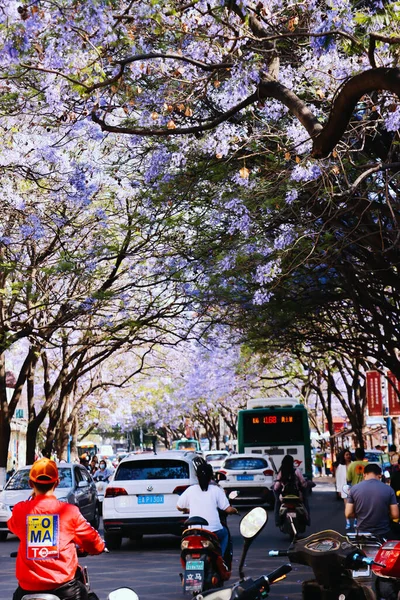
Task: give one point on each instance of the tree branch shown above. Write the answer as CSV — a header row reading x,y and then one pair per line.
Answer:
x,y
206,126
355,88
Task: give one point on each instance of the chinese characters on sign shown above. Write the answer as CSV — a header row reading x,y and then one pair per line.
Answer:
x,y
374,393
393,398
272,419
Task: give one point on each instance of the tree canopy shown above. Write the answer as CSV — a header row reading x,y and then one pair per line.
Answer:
x,y
167,161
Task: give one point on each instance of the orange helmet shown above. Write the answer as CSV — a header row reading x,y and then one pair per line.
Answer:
x,y
44,470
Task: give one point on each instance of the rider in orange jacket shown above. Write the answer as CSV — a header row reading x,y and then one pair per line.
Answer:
x,y
49,531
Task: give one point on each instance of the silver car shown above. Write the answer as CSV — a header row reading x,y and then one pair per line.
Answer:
x,y
76,487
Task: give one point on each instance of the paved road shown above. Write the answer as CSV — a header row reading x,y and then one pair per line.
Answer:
x,y
152,567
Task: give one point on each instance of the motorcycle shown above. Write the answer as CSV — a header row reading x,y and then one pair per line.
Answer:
x,y
292,515
387,583
201,557
82,575
248,588
332,558
118,594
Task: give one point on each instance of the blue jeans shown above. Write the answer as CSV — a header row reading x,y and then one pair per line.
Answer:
x,y
223,537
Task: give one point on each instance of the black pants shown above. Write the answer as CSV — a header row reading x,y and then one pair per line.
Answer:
x,y
72,590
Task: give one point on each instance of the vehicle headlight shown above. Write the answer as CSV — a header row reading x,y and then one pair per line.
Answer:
x,y
63,499
4,506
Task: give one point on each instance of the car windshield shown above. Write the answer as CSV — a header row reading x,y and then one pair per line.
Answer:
x,y
152,469
245,464
20,479
210,457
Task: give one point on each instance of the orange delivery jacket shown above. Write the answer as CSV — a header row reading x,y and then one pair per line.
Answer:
x,y
49,531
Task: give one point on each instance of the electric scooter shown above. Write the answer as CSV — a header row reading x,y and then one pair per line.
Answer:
x,y
292,515
201,557
248,588
332,558
118,594
387,583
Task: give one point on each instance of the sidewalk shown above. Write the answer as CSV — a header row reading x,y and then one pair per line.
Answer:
x,y
325,483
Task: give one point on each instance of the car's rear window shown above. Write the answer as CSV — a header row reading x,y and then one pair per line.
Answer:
x,y
152,469
372,457
20,479
210,457
248,464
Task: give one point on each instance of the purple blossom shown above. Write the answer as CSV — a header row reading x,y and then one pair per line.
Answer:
x,y
309,172
291,196
33,228
261,297
392,121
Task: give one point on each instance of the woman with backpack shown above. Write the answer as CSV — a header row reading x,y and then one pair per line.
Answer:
x,y
290,481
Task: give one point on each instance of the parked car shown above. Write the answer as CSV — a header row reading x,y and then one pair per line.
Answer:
x,y
249,475
76,487
143,495
215,458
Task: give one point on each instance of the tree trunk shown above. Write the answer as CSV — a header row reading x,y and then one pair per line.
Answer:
x,y
5,427
5,435
31,435
74,440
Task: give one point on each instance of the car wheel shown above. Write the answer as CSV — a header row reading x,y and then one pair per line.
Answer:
x,y
3,536
138,538
95,522
113,540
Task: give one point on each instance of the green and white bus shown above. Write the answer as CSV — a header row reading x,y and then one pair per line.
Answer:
x,y
276,426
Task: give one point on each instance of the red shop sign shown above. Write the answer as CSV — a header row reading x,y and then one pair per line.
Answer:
x,y
374,394
393,398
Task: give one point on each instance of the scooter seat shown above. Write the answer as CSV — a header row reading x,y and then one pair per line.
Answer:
x,y
196,521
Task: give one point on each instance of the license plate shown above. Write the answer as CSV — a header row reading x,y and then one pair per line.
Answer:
x,y
151,499
194,565
245,477
194,575
291,514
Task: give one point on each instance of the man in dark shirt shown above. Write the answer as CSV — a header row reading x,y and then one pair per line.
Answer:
x,y
373,503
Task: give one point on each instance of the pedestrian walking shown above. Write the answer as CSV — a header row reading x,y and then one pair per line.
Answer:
x,y
319,462
344,461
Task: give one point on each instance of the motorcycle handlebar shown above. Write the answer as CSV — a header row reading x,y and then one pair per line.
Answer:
x,y
278,553
278,573
368,561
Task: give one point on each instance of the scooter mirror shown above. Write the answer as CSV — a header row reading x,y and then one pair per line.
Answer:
x,y
346,490
253,522
123,594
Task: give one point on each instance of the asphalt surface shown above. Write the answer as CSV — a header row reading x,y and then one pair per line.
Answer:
x,y
152,567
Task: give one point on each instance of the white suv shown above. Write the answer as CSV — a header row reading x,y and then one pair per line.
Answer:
x,y
142,497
